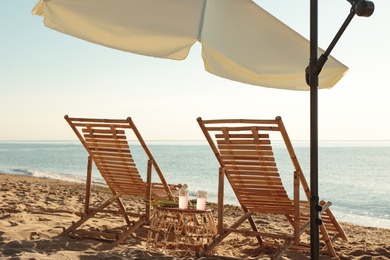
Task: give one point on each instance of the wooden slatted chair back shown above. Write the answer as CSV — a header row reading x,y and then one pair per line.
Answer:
x,y
106,142
243,148
251,170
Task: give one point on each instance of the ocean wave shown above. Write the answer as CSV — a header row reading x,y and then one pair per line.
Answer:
x,y
57,176
363,220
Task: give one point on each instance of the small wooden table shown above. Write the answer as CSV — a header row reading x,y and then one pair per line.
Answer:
x,y
180,232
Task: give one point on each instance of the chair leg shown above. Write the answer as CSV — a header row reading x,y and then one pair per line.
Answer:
x,y
129,231
122,209
148,190
254,227
88,185
225,233
284,247
221,180
90,214
75,225
336,224
327,240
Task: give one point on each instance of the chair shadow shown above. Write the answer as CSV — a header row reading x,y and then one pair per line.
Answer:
x,y
86,249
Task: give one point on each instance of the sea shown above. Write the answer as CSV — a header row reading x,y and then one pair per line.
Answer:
x,y
353,175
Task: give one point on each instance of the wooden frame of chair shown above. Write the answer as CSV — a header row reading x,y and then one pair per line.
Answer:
x,y
244,152
108,148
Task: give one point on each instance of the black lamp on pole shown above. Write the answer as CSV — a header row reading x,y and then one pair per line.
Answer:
x,y
362,7
359,8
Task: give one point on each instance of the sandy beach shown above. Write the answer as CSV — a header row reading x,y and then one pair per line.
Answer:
x,y
33,212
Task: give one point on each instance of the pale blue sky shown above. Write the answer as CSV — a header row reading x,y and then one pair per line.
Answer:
x,y
46,74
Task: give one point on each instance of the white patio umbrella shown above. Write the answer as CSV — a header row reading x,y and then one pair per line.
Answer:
x,y
240,41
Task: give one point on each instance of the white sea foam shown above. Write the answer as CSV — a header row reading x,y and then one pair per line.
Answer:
x,y
57,176
52,175
367,221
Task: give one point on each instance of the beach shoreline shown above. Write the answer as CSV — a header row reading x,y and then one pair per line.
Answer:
x,y
33,212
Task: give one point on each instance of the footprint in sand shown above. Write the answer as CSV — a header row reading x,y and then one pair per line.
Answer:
x,y
34,235
13,224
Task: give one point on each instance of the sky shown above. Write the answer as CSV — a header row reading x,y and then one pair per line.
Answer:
x,y
45,75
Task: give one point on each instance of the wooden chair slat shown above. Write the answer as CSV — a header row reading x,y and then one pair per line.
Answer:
x,y
243,135
257,153
123,158
90,132
263,162
123,155
106,139
241,142
260,169
110,150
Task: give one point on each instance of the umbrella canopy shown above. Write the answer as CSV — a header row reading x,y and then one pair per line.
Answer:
x,y
240,40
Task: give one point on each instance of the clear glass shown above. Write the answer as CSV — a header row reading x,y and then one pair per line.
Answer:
x,y
183,199
201,200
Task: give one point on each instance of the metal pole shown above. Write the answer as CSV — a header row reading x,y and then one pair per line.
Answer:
x,y
314,229
361,8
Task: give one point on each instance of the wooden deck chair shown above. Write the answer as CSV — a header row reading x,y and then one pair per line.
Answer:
x,y
244,152
107,146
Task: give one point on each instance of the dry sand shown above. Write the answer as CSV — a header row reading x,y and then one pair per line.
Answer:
x,y
33,212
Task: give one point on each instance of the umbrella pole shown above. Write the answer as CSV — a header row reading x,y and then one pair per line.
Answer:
x,y
313,79
361,8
